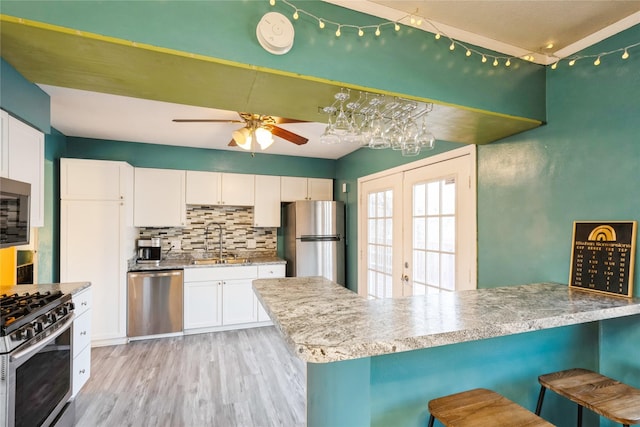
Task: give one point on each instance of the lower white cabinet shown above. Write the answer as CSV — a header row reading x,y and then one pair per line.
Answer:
x,y
238,303
202,304
81,340
217,298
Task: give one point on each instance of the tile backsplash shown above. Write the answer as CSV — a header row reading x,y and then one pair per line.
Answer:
x,y
237,231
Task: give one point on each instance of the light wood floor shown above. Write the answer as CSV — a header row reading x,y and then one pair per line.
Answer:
x,y
245,378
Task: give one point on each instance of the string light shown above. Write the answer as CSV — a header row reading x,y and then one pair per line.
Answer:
x,y
414,19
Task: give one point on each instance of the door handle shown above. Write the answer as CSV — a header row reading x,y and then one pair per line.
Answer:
x,y
405,278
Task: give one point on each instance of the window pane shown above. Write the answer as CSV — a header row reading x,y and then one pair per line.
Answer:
x,y
449,196
388,235
433,234
448,234
419,266
419,201
380,231
388,290
380,285
388,256
418,290
371,238
372,257
372,205
433,198
388,203
419,234
433,268
380,205
448,272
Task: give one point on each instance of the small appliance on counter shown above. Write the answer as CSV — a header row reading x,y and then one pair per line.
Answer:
x,y
149,251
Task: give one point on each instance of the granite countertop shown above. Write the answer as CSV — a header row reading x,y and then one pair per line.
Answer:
x,y
324,322
67,288
181,263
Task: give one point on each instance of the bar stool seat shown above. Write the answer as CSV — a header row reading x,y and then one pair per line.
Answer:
x,y
612,399
481,408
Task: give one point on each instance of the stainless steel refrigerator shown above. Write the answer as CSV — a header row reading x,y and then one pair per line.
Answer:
x,y
314,239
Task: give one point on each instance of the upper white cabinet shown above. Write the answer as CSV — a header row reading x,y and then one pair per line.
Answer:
x,y
159,198
266,210
237,189
22,159
295,188
203,188
82,179
216,188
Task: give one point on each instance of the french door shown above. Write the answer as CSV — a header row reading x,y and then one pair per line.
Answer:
x,y
417,227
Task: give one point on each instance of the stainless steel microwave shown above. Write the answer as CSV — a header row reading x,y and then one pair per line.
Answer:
x,y
15,200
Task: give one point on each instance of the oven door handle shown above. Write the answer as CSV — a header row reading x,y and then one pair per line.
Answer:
x,y
29,351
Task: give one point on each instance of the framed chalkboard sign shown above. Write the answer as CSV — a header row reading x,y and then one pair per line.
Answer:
x,y
602,256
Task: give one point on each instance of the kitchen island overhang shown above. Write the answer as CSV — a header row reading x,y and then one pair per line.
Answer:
x,y
367,352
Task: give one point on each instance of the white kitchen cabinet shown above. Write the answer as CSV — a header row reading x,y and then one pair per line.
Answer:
x,y
238,302
237,189
4,144
92,179
266,211
203,188
25,162
81,340
268,271
202,304
215,188
159,198
296,188
96,240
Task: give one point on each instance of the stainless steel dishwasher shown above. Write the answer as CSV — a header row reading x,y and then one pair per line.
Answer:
x,y
154,302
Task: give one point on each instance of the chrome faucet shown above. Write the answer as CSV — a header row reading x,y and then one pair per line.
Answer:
x,y
206,237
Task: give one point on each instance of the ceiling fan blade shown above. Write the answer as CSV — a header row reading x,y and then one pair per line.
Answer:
x,y
285,134
280,120
206,121
233,143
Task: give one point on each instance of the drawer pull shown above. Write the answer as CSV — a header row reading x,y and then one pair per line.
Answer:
x,y
83,333
82,371
83,303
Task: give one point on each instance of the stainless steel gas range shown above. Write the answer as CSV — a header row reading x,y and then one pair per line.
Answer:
x,y
36,359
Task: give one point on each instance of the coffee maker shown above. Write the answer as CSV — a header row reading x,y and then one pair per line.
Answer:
x,y
149,250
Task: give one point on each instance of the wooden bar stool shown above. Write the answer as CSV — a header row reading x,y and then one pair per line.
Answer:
x,y
604,396
481,408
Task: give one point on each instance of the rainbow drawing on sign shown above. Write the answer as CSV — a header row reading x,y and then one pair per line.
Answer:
x,y
603,233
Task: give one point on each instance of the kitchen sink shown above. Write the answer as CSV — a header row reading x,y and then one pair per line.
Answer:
x,y
216,261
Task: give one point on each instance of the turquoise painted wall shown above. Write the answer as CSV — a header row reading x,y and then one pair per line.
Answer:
x,y
409,61
583,165
173,157
22,99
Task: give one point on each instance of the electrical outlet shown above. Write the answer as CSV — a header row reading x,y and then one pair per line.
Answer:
x,y
175,244
251,244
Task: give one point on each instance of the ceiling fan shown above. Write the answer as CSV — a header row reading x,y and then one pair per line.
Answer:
x,y
259,128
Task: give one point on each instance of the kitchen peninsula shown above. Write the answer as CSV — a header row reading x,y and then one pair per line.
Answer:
x,y
378,362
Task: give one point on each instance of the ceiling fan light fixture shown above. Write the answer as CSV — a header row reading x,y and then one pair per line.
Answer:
x,y
242,138
264,138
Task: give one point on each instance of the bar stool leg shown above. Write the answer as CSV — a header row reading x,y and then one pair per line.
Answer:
x,y
540,399
431,419
579,416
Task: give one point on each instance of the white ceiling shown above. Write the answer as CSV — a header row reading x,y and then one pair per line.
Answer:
x,y
514,28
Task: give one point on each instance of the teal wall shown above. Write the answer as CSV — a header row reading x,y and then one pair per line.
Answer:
x,y
417,64
173,157
22,99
